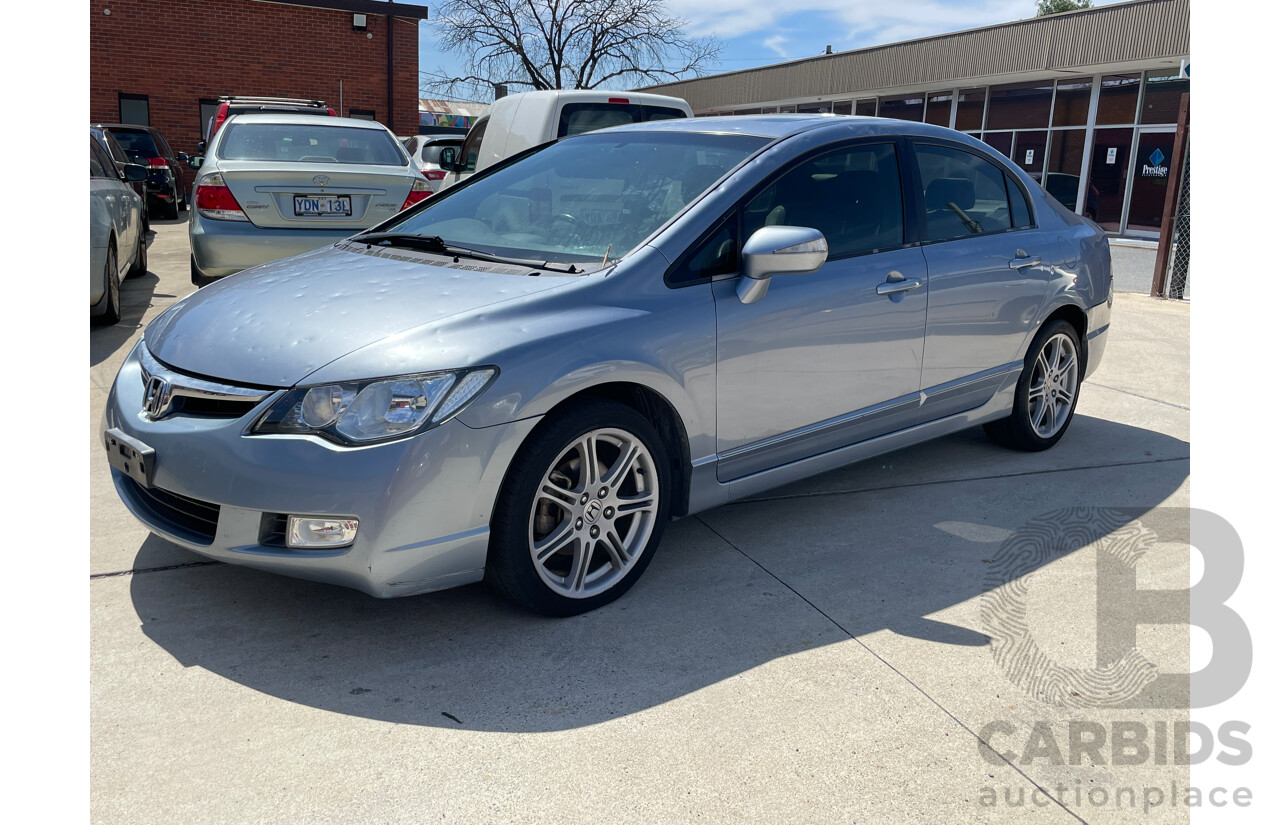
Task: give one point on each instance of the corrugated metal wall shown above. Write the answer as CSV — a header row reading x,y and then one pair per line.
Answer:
x,y
1139,30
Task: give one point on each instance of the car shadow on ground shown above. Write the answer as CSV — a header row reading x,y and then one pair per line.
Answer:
x,y
702,613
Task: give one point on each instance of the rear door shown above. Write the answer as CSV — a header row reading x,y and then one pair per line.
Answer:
x,y
989,273
833,357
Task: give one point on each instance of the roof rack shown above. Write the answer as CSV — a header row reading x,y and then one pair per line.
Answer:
x,y
252,99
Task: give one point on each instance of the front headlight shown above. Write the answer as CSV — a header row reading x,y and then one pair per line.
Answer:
x,y
366,412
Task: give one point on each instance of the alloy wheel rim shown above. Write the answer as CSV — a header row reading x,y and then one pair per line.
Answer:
x,y
1053,385
593,513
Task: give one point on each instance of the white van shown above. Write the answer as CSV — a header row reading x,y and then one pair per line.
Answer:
x,y
530,119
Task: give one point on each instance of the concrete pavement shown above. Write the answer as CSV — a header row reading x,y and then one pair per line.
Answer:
x,y
817,654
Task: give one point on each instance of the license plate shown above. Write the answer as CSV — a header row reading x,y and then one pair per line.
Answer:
x,y
130,456
322,204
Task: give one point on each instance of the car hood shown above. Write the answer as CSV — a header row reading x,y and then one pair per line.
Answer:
x,y
275,324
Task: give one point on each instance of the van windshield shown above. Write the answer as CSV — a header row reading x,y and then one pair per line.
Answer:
x,y
577,199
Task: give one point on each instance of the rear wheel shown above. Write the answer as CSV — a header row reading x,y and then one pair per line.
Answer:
x,y
1046,395
139,258
582,510
111,289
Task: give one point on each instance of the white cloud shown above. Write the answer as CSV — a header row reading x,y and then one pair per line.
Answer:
x,y
776,44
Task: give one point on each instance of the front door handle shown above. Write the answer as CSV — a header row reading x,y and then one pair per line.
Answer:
x,y
894,287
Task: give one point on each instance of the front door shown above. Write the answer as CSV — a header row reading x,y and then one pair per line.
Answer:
x,y
823,360
1149,180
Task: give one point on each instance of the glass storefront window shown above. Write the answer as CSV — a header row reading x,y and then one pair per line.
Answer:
x,y
1020,105
842,107
1071,103
1062,172
937,108
786,110
866,108
903,107
969,109
1164,91
1028,152
813,108
1002,142
1118,98
1108,173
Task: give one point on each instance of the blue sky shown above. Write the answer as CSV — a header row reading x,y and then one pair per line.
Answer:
x,y
760,32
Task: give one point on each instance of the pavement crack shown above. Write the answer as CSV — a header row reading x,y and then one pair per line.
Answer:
x,y
1139,395
966,479
984,743
136,570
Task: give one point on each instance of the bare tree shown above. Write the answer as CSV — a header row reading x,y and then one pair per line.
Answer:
x,y
566,44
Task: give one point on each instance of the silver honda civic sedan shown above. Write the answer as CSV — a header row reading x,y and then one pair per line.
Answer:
x,y
526,377
275,185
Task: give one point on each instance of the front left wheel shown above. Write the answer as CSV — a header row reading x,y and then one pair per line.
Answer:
x,y
582,510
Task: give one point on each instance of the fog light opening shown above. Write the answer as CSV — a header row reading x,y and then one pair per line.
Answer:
x,y
312,532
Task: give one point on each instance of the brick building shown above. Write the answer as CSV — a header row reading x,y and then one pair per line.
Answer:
x,y
164,63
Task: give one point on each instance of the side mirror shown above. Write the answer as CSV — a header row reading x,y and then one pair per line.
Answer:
x,y
135,172
200,147
447,156
182,157
778,250
195,161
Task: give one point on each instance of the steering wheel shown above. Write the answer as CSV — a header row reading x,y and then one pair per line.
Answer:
x,y
566,217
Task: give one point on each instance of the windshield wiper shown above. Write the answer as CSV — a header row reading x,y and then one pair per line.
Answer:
x,y
437,244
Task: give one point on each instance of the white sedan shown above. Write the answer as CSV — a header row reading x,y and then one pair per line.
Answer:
x,y
277,185
117,239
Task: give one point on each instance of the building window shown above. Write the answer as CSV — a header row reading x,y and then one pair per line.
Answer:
x,y
1062,172
1118,98
1002,142
866,108
937,109
969,109
135,109
813,108
842,107
1071,102
1020,105
1164,91
1028,151
362,114
903,107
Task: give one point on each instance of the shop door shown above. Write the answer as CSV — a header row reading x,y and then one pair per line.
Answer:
x,y
1149,180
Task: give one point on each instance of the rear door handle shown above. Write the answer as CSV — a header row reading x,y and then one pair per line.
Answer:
x,y
894,287
1023,260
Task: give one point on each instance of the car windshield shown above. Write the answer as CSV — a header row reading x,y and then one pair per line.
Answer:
x,y
582,198
308,143
137,144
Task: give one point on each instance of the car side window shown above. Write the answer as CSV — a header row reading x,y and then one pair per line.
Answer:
x,y
964,195
1018,204
471,146
852,195
715,254
100,166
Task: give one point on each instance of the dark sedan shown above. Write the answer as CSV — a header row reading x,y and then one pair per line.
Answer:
x,y
146,146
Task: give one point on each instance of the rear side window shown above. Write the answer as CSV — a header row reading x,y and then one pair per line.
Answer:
x,y
471,146
964,195
1018,206
853,196
576,118
310,143
138,145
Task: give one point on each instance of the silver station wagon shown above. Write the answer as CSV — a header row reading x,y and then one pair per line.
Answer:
x,y
524,378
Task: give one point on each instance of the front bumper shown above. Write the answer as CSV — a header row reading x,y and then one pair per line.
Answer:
x,y
423,503
222,248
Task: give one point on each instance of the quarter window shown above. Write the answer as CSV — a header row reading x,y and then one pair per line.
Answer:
x,y
853,196
964,195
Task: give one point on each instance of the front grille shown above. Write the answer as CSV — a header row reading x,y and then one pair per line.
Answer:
x,y
189,515
220,407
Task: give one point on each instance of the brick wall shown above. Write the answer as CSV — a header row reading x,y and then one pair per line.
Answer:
x,y
179,51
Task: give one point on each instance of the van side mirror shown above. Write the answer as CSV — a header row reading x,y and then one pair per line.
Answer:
x,y
778,250
447,157
135,172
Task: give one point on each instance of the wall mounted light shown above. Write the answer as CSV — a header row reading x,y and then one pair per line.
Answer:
x,y
359,22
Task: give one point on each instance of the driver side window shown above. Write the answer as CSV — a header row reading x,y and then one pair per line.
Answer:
x,y
471,146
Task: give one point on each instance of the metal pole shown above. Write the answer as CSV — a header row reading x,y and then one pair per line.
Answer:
x,y
1160,278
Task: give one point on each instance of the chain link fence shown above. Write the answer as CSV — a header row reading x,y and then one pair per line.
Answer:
x,y
1180,269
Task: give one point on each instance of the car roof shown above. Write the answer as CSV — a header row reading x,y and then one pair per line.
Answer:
x,y
289,118
781,126
123,127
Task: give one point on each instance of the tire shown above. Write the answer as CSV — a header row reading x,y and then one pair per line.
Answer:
x,y
592,547
171,209
111,290
139,266
1042,410
178,192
